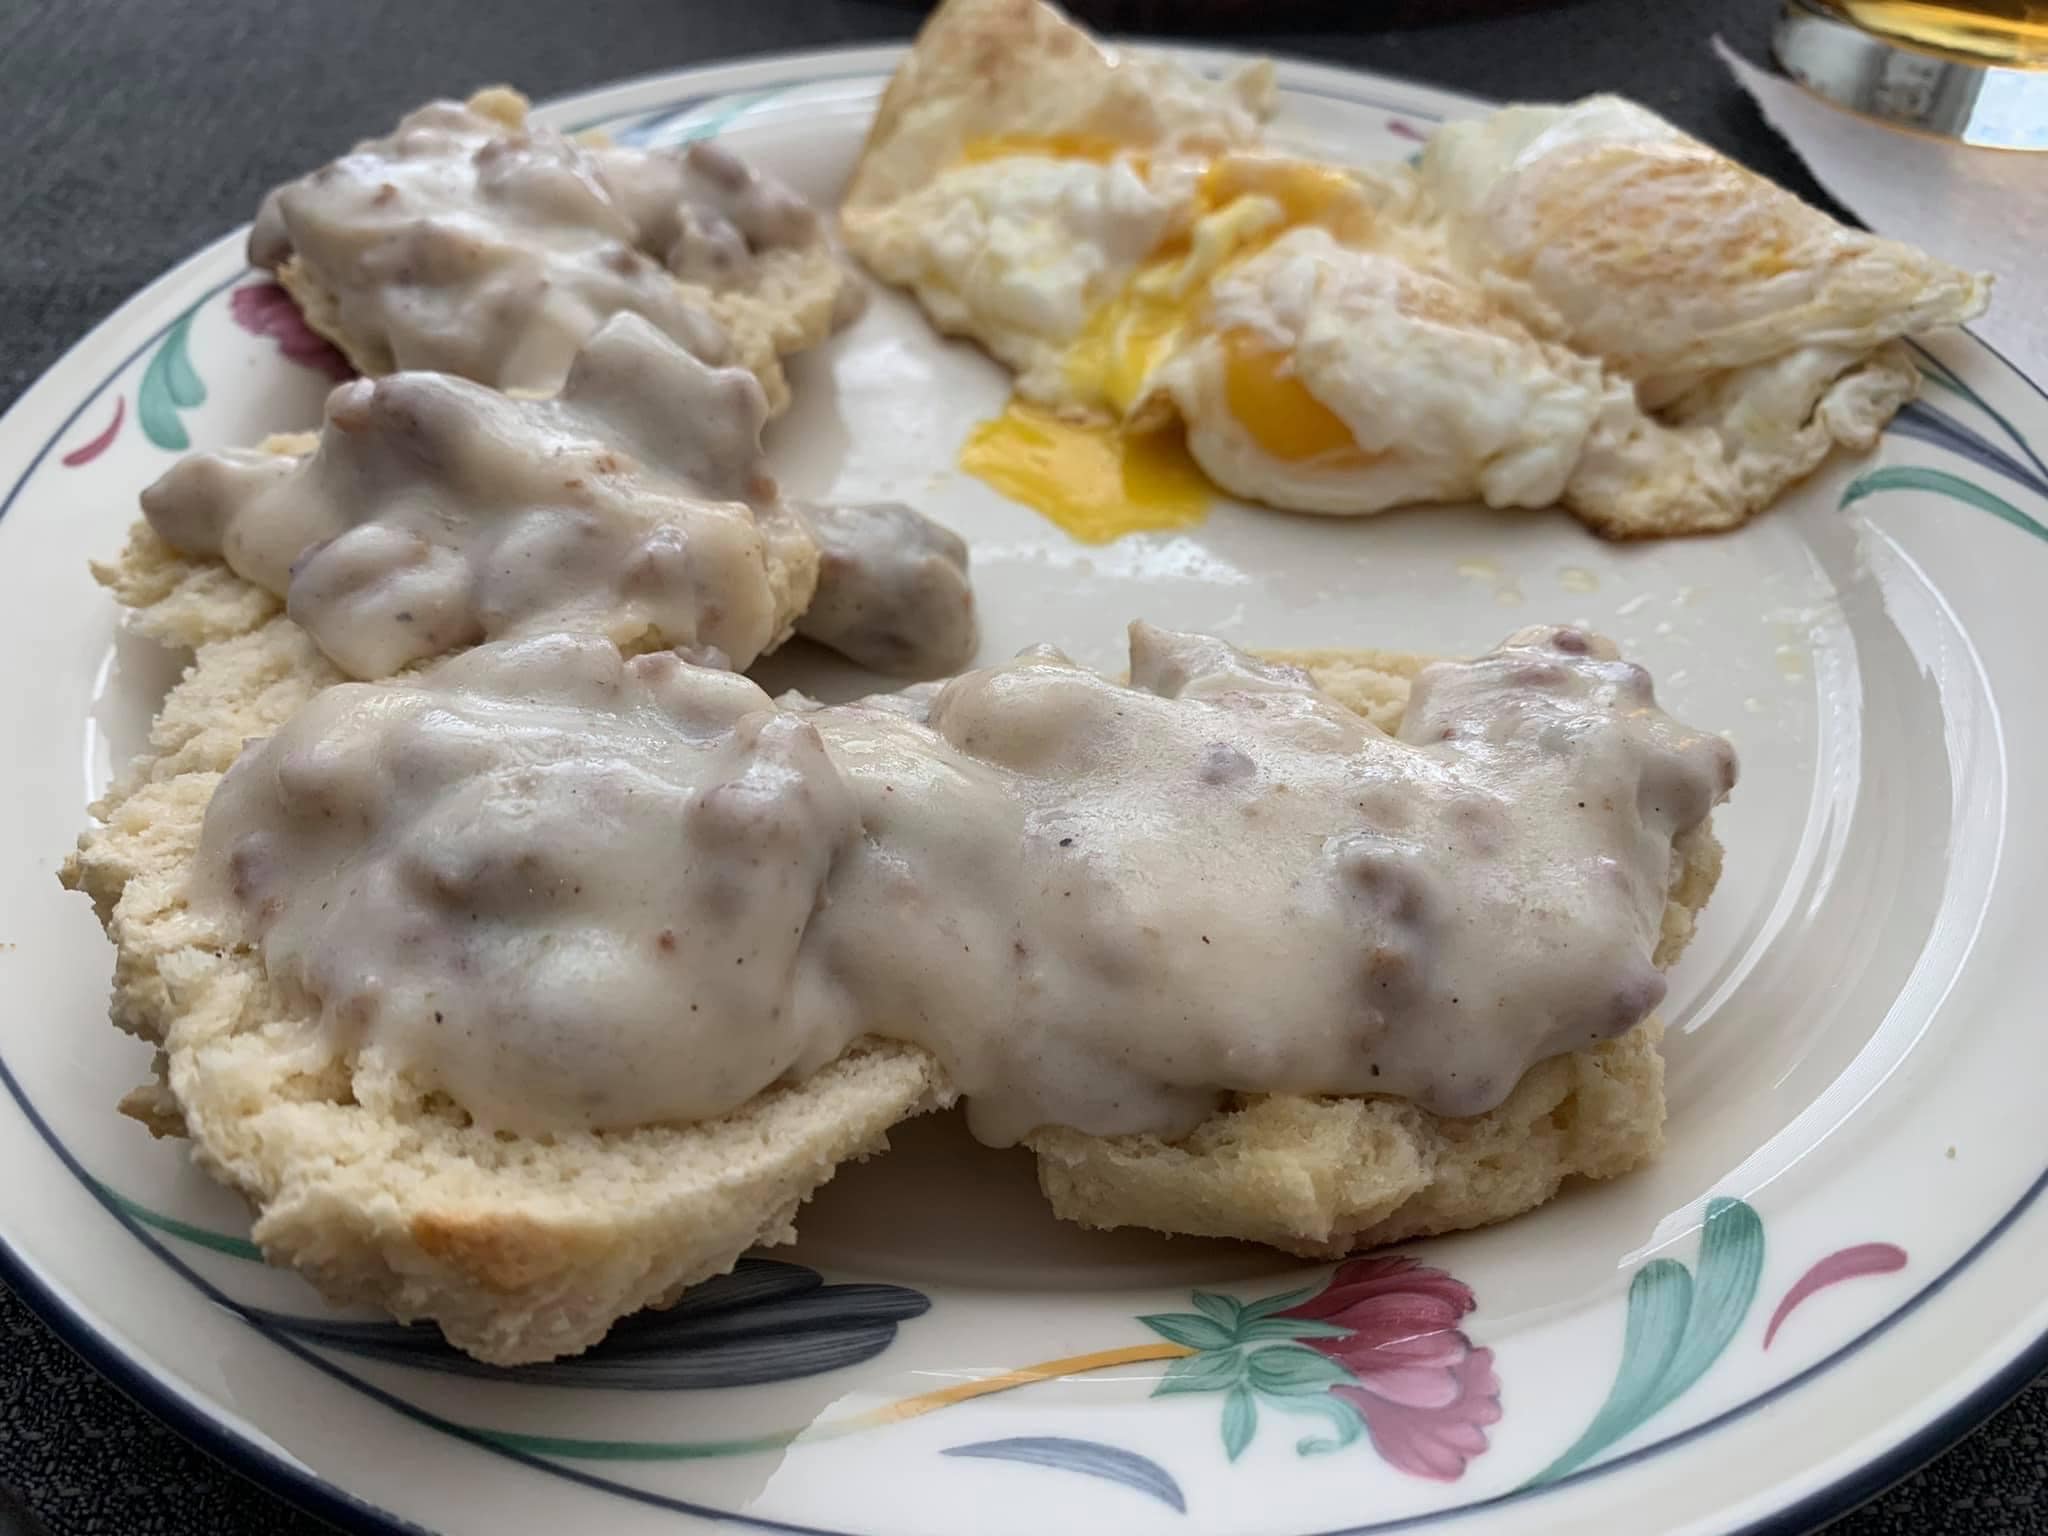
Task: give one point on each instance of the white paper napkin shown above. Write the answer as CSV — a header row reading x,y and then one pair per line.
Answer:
x,y
1985,209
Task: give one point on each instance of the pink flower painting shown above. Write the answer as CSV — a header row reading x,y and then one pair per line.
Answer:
x,y
265,309
1377,1352
1426,1394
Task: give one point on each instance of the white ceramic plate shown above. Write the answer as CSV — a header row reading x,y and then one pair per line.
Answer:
x,y
1834,1267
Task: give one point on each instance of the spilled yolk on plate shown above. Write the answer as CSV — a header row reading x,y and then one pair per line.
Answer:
x,y
1110,461
1097,481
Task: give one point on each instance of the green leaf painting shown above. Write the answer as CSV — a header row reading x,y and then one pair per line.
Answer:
x,y
1678,1325
1912,477
1240,1421
170,384
1190,1329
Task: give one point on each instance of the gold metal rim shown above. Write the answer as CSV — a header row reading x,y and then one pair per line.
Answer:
x,y
1936,94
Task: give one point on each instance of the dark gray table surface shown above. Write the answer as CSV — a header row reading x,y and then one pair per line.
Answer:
x,y
140,129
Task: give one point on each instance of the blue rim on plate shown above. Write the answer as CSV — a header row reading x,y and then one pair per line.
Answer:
x,y
297,1484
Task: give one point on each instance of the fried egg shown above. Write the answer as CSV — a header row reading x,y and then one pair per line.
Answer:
x,y
1280,316
1328,378
1661,257
1573,305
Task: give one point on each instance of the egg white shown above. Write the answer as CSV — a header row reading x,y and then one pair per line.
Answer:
x,y
1019,252
1443,397
1559,304
1660,256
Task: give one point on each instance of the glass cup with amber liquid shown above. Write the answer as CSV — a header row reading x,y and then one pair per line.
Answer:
x,y
1970,70
2012,33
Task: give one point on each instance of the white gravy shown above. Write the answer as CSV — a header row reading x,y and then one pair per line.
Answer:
x,y
436,512
460,244
570,890
635,505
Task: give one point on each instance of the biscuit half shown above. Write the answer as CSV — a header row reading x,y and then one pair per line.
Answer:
x,y
1321,1177
525,1249
520,1249
799,296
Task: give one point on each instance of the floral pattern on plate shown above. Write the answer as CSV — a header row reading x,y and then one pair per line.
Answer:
x,y
1456,1412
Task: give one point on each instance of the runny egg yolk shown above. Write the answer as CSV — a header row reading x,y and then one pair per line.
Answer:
x,y
1101,480
1097,481
1245,203
1306,192
1276,409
